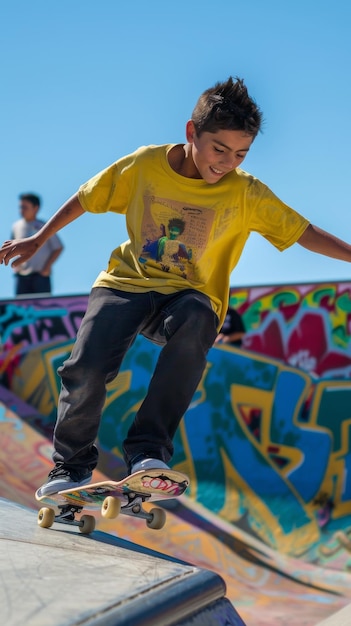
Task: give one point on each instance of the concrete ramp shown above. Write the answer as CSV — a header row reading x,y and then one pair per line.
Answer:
x,y
50,578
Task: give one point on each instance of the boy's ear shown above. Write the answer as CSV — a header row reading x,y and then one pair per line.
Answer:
x,y
190,131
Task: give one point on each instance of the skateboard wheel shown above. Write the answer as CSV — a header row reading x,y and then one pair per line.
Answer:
x,y
46,517
158,519
110,507
87,524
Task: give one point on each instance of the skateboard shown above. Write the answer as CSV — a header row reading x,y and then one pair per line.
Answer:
x,y
112,498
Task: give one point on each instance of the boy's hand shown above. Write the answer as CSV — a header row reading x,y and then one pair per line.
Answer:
x,y
22,249
220,338
45,272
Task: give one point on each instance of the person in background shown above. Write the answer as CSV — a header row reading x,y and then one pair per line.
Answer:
x,y
34,275
233,329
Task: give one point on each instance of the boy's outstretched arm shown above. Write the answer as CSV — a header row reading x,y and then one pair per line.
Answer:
x,y
23,249
319,240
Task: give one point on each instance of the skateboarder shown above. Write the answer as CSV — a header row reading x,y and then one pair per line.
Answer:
x,y
189,211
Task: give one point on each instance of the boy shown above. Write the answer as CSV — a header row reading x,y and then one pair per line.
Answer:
x,y
189,211
34,275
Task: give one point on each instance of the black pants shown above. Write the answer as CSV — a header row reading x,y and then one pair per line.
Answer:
x,y
32,283
183,322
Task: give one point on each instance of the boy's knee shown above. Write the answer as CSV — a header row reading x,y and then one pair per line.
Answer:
x,y
198,311
196,317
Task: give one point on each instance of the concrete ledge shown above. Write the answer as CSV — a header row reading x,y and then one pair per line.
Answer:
x,y
58,576
341,618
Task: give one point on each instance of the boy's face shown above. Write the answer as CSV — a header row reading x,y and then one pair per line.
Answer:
x,y
216,154
28,210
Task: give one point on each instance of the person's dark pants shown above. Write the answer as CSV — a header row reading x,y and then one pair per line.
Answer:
x,y
32,283
183,322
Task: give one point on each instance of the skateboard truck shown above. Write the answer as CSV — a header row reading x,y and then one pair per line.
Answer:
x,y
135,507
111,507
66,515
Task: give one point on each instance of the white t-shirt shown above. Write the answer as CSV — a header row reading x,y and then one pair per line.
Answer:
x,y
22,229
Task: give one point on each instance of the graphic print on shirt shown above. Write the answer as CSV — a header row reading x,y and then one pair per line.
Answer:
x,y
174,236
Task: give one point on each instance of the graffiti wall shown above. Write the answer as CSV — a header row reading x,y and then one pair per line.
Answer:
x,y
266,439
307,326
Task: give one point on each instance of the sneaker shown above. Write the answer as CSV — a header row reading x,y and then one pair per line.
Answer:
x,y
143,462
64,477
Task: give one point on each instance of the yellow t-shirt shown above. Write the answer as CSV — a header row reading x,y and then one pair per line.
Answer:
x,y
184,233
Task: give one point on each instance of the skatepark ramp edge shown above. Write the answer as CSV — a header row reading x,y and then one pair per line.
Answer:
x,y
64,577
341,618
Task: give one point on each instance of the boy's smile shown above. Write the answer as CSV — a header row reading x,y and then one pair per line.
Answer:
x,y
213,155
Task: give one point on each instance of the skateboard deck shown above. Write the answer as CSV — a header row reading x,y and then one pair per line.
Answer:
x,y
126,496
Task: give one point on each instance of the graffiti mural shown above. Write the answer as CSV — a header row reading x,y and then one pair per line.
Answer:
x,y
266,440
307,326
25,324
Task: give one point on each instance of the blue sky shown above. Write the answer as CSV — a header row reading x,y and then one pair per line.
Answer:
x,y
84,82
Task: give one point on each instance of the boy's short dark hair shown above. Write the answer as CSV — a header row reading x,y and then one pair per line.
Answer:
x,y
227,106
30,197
